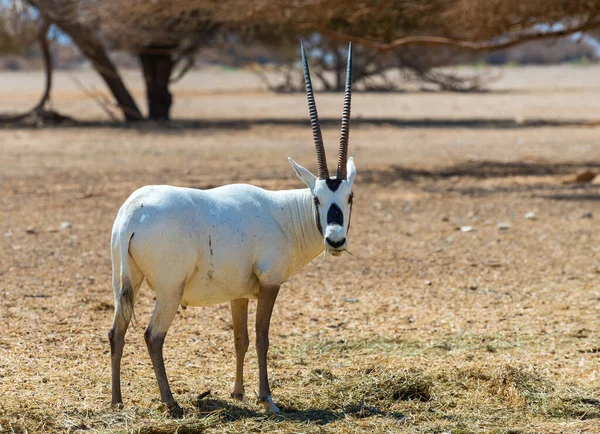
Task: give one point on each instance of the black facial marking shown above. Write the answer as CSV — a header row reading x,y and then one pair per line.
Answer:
x,y
336,244
318,218
335,216
333,184
349,216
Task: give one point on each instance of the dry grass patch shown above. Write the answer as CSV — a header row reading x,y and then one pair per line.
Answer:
x,y
426,329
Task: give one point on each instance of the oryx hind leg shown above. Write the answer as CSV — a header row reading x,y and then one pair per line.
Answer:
x,y
167,303
239,313
124,300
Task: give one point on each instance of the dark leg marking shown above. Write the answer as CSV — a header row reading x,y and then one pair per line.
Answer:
x,y
264,309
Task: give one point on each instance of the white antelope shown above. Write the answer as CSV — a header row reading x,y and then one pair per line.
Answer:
x,y
227,244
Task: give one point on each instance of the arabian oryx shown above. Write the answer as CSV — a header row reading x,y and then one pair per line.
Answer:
x,y
227,244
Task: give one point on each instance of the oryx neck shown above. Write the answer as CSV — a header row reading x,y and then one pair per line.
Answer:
x,y
304,221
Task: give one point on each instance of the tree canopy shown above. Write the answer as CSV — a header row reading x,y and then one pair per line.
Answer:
x,y
381,24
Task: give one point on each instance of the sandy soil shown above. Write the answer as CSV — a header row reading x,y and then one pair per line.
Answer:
x,y
497,328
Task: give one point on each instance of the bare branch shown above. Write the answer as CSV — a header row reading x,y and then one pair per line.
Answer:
x,y
189,64
102,103
441,41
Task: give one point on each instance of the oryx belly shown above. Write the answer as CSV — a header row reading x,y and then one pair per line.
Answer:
x,y
212,285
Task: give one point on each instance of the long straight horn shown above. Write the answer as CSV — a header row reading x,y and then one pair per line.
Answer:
x,y
343,154
314,120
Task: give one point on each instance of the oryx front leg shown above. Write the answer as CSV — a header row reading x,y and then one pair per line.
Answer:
x,y
266,299
167,303
239,313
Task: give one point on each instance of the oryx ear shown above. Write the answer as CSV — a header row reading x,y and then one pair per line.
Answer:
x,y
351,170
304,174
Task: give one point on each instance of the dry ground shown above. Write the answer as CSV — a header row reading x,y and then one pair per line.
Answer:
x,y
425,329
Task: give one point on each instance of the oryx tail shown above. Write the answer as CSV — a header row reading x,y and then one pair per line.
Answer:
x,y
123,290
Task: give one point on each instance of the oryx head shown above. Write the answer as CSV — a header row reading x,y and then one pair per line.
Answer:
x,y
333,195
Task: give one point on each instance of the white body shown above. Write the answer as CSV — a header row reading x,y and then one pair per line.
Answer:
x,y
215,244
228,244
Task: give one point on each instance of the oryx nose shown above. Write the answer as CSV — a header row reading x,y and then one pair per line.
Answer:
x,y
335,244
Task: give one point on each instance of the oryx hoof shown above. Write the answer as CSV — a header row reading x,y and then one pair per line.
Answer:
x,y
238,396
175,410
117,405
269,404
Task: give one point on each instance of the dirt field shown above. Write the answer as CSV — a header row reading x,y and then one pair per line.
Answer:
x,y
426,329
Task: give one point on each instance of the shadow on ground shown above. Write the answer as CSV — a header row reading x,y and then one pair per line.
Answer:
x,y
178,125
574,193
476,169
228,412
489,170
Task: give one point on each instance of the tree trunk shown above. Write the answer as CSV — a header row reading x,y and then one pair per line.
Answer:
x,y
95,52
157,65
93,49
48,66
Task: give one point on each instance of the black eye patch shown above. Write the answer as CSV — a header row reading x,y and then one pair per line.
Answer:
x,y
335,216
